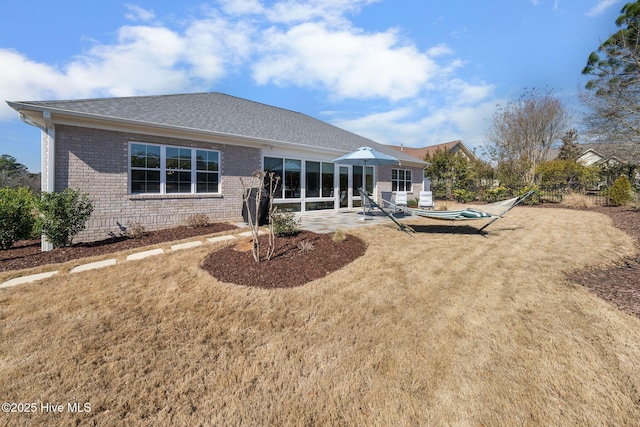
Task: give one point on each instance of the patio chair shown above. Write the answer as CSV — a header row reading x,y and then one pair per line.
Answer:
x,y
401,200
426,200
387,200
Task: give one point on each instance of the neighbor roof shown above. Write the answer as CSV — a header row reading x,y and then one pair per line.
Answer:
x,y
627,152
421,152
214,113
624,152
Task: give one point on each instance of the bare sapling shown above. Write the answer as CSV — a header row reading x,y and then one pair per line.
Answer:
x,y
273,184
259,181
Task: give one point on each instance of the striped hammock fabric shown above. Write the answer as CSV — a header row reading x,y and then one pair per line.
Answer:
x,y
452,215
492,210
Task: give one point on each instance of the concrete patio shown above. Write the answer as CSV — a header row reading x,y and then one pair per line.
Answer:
x,y
330,221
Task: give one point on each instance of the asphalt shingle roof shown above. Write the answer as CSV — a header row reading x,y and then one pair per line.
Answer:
x,y
219,113
628,152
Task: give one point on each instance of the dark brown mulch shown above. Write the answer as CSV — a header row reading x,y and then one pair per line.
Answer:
x,y
27,254
290,265
619,285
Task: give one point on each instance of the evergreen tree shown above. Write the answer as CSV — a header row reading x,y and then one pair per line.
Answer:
x,y
569,150
613,92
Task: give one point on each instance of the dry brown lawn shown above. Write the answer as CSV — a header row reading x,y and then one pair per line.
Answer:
x,y
436,328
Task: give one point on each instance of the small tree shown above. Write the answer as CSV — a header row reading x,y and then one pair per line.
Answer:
x,y
63,215
620,192
452,171
15,175
447,171
522,133
569,150
260,180
16,216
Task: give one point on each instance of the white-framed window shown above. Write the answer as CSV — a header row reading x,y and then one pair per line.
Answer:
x,y
163,169
401,180
319,178
290,185
362,178
207,171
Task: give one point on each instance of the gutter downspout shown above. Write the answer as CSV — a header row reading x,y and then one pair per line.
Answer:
x,y
47,159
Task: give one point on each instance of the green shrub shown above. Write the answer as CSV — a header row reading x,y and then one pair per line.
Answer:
x,y
285,224
620,192
497,194
63,215
534,198
16,216
463,195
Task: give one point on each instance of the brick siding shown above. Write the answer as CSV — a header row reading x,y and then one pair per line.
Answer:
x,y
384,180
96,162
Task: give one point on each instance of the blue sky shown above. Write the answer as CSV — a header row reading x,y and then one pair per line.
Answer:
x,y
412,72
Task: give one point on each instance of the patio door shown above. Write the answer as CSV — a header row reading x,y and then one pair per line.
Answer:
x,y
344,186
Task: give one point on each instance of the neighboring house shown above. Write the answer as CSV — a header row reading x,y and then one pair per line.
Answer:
x,y
452,146
609,153
606,154
157,160
455,147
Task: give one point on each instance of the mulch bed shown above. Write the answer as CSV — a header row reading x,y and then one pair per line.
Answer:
x,y
27,254
619,285
294,263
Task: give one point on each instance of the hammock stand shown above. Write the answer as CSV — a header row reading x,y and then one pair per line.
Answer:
x,y
367,200
467,213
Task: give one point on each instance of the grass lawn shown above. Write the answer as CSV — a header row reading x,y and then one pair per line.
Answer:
x,y
437,328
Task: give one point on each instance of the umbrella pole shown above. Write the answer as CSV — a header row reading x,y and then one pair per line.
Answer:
x,y
364,179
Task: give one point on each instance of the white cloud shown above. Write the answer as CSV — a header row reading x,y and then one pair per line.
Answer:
x,y
289,43
212,45
242,7
136,13
330,11
143,60
440,50
464,93
464,115
600,7
347,63
23,79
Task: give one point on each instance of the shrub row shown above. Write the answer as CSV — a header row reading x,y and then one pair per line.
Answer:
x,y
57,216
620,193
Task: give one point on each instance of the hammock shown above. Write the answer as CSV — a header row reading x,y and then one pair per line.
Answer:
x,y
493,210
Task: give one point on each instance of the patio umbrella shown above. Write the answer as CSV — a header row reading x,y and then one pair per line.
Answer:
x,y
366,156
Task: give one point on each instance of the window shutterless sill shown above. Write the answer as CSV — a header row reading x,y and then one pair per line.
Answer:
x,y
173,196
